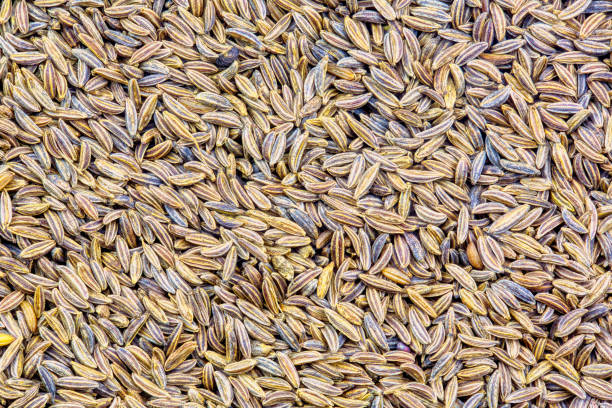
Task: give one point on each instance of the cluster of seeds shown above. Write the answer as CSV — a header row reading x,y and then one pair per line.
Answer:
x,y
305,203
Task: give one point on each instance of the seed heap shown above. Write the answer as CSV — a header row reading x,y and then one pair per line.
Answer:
x,y
279,203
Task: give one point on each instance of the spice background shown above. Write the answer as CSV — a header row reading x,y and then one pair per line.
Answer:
x,y
305,203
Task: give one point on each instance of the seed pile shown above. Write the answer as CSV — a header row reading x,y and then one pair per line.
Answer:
x,y
279,203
